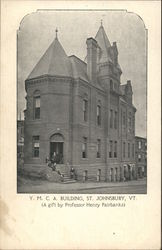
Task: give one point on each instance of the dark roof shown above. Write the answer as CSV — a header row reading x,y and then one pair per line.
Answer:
x,y
139,137
79,68
104,44
53,62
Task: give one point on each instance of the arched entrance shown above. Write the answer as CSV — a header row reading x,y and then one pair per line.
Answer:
x,y
57,146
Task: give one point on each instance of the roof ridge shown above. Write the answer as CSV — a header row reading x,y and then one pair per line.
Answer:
x,y
78,58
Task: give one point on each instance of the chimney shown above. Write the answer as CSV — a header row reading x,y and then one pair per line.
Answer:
x,y
92,59
128,92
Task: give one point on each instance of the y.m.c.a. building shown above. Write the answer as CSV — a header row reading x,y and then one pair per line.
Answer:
x,y
79,110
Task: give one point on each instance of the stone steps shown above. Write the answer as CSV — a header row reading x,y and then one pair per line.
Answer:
x,y
66,178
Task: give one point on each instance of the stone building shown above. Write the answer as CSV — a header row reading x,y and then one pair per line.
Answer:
x,y
141,156
80,110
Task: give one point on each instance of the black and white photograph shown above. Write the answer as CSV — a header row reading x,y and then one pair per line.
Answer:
x,y
81,102
80,125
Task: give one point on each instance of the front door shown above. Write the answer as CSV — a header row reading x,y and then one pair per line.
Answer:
x,y
57,147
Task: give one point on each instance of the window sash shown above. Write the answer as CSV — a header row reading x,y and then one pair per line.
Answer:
x,y
85,110
124,149
111,118
98,115
36,146
133,150
98,148
128,150
115,149
115,120
111,150
37,102
84,148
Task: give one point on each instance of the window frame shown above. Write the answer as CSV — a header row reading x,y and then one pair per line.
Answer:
x,y
35,150
115,149
84,148
36,110
139,144
115,120
111,118
99,114
133,150
123,149
98,155
111,149
85,109
139,157
128,149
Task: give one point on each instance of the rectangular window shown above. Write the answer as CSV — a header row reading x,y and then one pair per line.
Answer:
x,y
85,110
111,150
133,124
139,158
36,146
84,148
124,118
115,120
132,150
115,149
98,115
37,107
123,149
139,144
128,150
130,120
98,148
111,118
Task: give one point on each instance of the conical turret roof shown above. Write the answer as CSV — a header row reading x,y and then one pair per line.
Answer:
x,y
53,62
104,45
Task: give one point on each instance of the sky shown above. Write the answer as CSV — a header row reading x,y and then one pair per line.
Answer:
x,y
37,31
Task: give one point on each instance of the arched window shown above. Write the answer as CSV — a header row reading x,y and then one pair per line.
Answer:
x,y
57,138
99,113
98,148
84,147
36,101
85,107
111,85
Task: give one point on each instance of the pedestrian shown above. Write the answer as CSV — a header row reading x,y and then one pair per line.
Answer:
x,y
72,173
53,161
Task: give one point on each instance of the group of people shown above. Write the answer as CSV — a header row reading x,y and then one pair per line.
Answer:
x,y
53,162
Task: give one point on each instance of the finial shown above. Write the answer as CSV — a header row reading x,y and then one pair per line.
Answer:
x,y
101,22
56,32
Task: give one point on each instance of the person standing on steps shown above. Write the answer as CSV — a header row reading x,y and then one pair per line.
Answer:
x,y
72,173
53,161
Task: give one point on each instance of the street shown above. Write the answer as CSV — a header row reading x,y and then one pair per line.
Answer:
x,y
40,186
141,189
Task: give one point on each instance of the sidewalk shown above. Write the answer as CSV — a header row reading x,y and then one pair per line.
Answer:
x,y
44,186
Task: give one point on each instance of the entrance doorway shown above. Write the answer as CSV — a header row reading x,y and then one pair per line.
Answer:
x,y
56,145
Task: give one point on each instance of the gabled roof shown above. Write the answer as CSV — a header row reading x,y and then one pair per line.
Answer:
x,y
79,68
104,45
53,62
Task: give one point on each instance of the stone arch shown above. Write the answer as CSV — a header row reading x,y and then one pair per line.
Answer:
x,y
36,93
57,137
57,146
